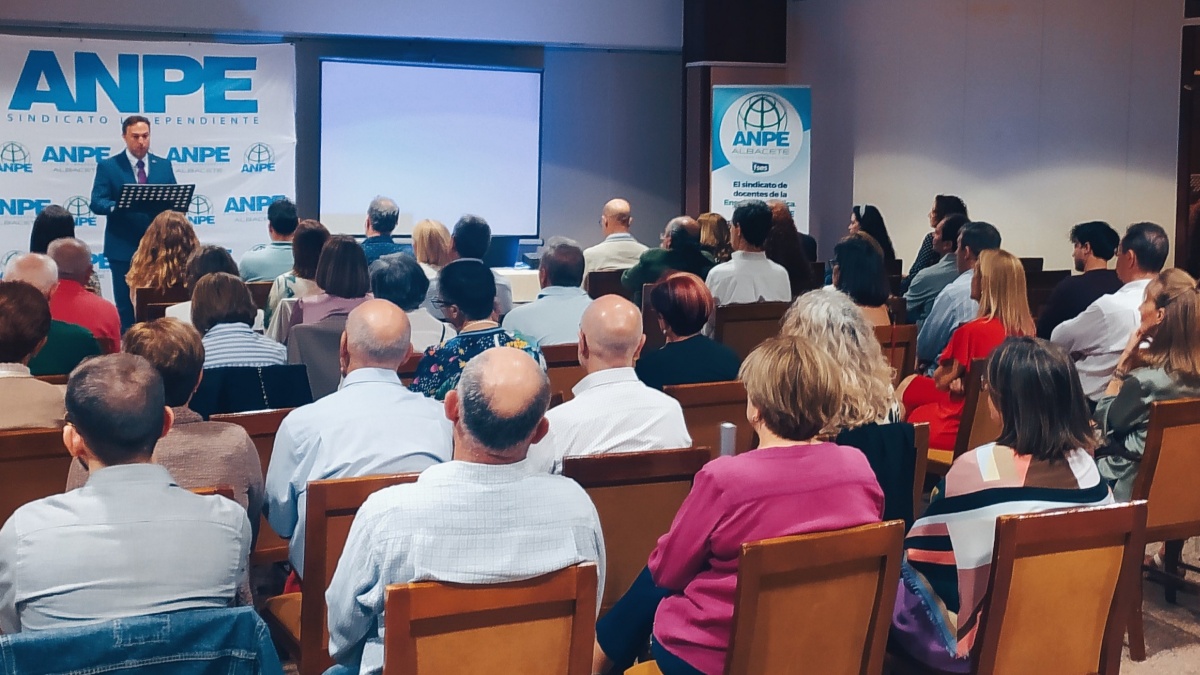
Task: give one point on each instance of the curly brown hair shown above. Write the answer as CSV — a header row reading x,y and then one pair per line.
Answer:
x,y
160,261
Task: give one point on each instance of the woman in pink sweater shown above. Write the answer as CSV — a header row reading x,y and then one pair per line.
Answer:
x,y
792,484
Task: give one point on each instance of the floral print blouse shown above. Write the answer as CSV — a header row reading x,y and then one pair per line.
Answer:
x,y
438,371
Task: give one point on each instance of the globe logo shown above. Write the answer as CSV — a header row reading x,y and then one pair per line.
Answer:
x,y
260,153
762,112
13,153
200,207
78,207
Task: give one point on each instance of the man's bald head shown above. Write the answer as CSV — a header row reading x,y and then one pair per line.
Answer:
x,y
617,214
35,269
682,232
378,335
610,333
502,396
73,257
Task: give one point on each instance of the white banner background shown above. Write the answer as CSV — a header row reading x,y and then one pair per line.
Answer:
x,y
224,114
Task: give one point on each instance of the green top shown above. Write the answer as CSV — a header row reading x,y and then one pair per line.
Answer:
x,y
656,262
66,345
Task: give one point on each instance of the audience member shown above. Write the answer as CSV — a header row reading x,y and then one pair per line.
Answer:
x,y
1168,368
223,311
25,401
267,261
53,222
998,287
1040,462
858,271
307,242
130,542
791,248
207,260
160,261
680,251
343,278
468,300
482,518
832,323
792,484
685,306
72,302
432,246
955,305
619,250
196,453
67,344
714,236
1160,292
470,241
1096,338
399,279
372,425
749,276
869,220
635,417
943,207
924,286
553,318
1095,243
382,216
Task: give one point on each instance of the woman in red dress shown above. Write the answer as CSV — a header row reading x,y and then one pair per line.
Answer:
x,y
999,288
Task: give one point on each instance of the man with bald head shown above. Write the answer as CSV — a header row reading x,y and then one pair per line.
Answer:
x,y
680,252
72,302
483,518
619,250
373,424
635,417
68,344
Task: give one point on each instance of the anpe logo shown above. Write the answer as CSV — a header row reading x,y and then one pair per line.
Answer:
x,y
14,158
75,154
21,207
754,134
200,212
199,154
79,208
259,158
251,204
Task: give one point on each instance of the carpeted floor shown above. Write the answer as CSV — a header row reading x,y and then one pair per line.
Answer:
x,y
1172,631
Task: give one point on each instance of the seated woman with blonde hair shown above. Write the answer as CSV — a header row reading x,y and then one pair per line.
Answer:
x,y
160,262
432,246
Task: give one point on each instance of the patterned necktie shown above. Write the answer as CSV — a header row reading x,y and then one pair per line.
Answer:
x,y
141,172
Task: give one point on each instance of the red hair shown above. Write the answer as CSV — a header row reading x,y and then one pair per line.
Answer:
x,y
684,303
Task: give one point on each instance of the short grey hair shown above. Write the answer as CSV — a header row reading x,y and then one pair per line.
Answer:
x,y
495,432
365,341
562,258
36,269
384,213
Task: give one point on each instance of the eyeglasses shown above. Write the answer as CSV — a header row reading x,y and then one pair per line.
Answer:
x,y
441,304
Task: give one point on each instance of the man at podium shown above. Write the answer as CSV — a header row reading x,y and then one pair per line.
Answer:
x,y
125,227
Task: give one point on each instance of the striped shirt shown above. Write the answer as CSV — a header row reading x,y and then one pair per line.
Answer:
x,y
233,344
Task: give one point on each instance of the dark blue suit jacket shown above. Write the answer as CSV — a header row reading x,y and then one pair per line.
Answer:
x,y
125,228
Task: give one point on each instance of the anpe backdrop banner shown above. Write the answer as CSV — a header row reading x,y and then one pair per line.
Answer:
x,y
223,114
761,147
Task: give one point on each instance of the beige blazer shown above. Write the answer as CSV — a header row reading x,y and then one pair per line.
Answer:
x,y
26,402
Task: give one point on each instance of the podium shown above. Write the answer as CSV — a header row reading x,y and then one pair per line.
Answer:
x,y
153,199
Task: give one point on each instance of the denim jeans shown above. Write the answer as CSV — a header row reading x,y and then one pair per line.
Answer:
x,y
624,631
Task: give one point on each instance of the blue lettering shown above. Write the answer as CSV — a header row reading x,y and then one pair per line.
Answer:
x,y
254,203
20,207
16,168
155,68
203,220
42,64
78,154
258,168
218,84
762,138
783,139
91,74
199,154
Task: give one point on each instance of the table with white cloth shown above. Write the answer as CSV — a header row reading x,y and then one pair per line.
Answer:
x,y
525,284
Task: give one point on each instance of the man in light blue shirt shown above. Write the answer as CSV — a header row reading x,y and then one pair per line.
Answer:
x,y
267,261
372,425
130,542
928,283
553,319
483,518
954,305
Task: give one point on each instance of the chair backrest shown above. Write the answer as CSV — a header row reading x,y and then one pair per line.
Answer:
x,y
654,335
899,343
318,346
706,406
1059,591
539,626
1040,284
260,292
408,369
332,505
976,426
894,266
33,464
818,273
261,425
150,303
1166,477
898,309
1032,264
606,282
921,441
242,389
563,369
744,327
637,495
220,490
54,379
838,586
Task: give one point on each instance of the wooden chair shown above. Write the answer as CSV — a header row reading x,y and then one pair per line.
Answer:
x,y
1040,284
1032,264
298,620
150,304
262,425
706,406
60,380
744,327
408,370
606,282
33,464
898,309
976,426
563,369
222,490
260,292
899,343
1166,480
894,266
540,626
921,440
654,334
637,495
818,273
895,284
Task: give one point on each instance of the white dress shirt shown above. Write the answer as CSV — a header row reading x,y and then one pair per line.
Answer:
x,y
612,412
428,330
461,523
1099,334
618,251
130,542
749,277
552,319
373,425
